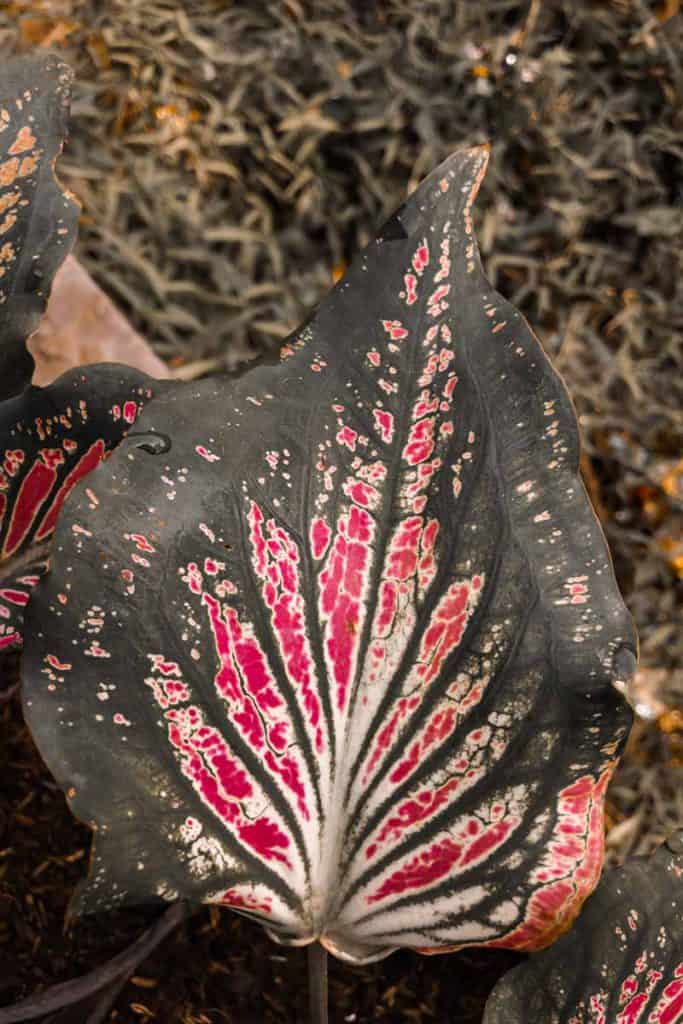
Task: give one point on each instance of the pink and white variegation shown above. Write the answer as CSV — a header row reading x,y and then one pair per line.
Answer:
x,y
621,964
342,657
50,438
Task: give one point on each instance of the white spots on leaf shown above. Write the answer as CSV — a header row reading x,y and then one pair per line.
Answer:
x,y
208,532
505,913
190,830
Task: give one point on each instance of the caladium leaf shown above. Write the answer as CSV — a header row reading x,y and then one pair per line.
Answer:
x,y
37,219
50,438
342,658
622,963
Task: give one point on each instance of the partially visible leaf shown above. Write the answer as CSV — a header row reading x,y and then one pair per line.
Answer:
x,y
15,593
622,963
343,657
37,218
50,438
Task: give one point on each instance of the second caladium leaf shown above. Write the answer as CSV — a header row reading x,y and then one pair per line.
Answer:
x,y
342,658
50,438
621,964
37,219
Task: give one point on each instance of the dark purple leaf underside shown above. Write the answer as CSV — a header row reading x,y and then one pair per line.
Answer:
x,y
37,219
50,438
342,658
622,963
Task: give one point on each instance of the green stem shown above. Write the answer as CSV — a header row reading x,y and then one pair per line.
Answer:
x,y
317,983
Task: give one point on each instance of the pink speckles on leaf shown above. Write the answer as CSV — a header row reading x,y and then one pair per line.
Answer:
x,y
570,869
33,492
421,258
420,871
420,444
258,541
410,284
160,664
343,582
395,329
59,666
444,856
95,650
347,437
669,1009
12,462
141,543
320,536
437,304
243,899
12,596
283,596
579,593
207,455
444,271
222,783
52,457
24,141
446,626
130,411
87,462
193,577
384,424
362,493
426,404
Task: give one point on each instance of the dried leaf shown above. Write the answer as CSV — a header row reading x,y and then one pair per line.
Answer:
x,y
82,326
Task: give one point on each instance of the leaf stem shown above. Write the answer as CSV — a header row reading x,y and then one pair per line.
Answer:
x,y
317,983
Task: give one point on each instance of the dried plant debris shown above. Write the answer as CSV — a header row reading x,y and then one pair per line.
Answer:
x,y
230,160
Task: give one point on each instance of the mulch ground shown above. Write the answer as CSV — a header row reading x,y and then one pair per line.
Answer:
x,y
231,159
